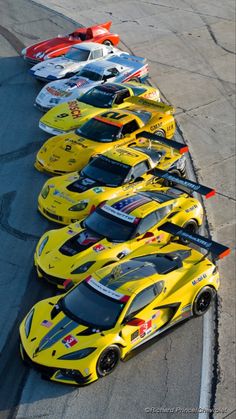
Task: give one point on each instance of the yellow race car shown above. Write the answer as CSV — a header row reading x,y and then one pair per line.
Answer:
x,y
66,199
81,336
70,152
117,228
71,115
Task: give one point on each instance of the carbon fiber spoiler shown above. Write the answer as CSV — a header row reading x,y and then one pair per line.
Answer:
x,y
217,249
182,148
188,184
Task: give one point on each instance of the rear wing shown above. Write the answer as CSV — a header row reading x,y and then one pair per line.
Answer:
x,y
151,104
182,148
217,249
186,183
127,60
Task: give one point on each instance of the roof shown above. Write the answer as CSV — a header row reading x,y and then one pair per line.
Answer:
x,y
137,205
91,46
102,65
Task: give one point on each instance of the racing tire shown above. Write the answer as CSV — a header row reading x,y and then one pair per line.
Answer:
x,y
135,79
68,75
160,133
108,43
108,360
192,227
172,172
203,301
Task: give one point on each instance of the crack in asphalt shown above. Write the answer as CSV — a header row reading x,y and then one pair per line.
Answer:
x,y
167,372
210,31
6,201
20,152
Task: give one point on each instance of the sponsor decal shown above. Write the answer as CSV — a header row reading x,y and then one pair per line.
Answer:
x,y
145,328
119,214
98,189
57,92
186,308
69,341
71,232
134,336
200,278
56,192
191,208
105,290
74,109
99,248
46,323
86,181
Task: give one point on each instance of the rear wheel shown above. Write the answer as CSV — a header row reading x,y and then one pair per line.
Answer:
x,y
108,43
203,301
108,360
160,133
192,227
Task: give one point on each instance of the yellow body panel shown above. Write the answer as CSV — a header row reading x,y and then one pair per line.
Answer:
x,y
55,334
56,262
72,114
70,152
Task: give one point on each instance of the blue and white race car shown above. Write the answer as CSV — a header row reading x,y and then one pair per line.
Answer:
x,y
116,69
69,64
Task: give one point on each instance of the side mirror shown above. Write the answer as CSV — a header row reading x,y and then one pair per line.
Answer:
x,y
146,235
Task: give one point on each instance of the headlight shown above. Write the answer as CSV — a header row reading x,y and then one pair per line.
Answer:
x,y
58,66
28,322
23,52
42,245
83,268
45,191
80,206
54,100
82,353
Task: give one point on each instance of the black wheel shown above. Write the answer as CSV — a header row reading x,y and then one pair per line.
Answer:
x,y
203,301
160,133
108,43
136,79
108,360
68,75
169,182
192,227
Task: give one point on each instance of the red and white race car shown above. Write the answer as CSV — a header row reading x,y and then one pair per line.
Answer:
x,y
58,46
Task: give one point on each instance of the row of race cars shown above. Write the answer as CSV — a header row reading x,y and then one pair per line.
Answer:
x,y
124,256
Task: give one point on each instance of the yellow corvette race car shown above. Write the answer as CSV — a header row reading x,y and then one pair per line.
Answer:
x,y
71,115
66,199
72,151
117,228
81,336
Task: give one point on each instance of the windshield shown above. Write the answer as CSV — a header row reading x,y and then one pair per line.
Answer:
x,y
77,54
99,131
91,75
98,97
106,171
91,307
113,228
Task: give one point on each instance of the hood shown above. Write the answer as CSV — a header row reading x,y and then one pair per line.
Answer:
x,y
67,153
48,46
69,115
54,332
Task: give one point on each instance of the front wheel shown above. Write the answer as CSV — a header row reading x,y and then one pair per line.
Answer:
x,y
203,301
108,360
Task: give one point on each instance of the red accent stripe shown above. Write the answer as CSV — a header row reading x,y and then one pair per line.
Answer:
x,y
107,121
88,278
183,149
124,299
225,253
211,193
